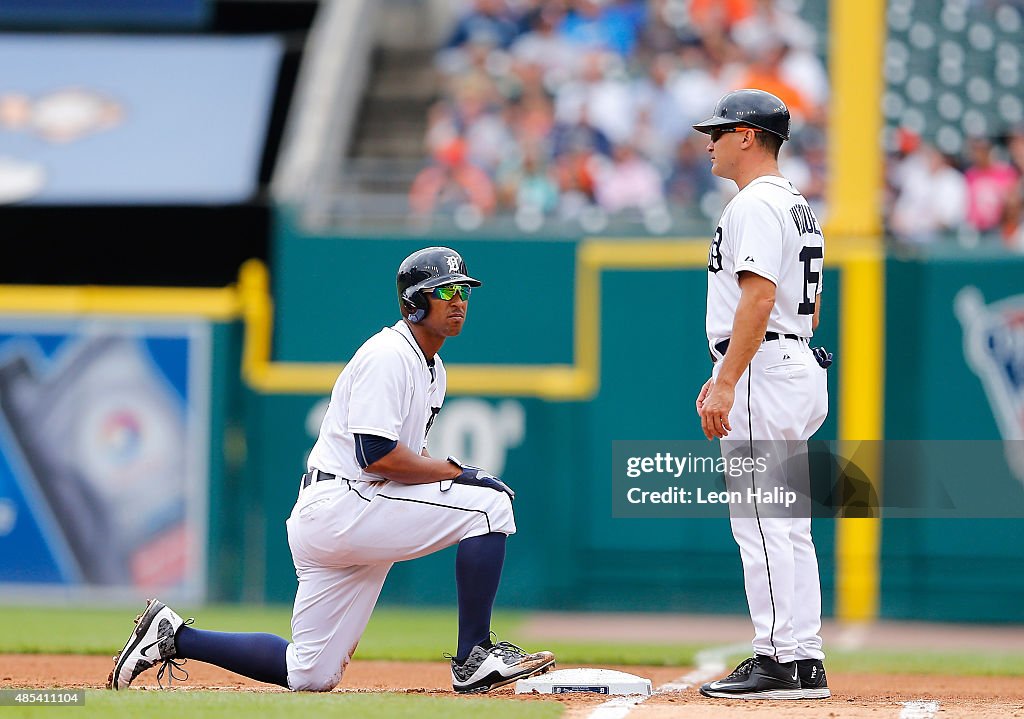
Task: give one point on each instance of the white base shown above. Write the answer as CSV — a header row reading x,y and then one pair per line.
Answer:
x,y
596,681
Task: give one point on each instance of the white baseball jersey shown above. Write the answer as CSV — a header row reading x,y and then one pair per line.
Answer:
x,y
387,389
768,229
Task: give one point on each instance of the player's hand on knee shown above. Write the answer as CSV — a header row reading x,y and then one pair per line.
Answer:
x,y
477,477
482,478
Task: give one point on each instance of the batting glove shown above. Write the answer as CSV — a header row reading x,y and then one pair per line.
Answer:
x,y
477,477
823,356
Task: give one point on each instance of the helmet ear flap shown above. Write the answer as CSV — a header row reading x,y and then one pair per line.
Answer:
x,y
415,305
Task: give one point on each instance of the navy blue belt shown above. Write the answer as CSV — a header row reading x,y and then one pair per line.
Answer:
x,y
315,475
722,346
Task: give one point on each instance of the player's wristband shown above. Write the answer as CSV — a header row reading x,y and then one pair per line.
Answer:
x,y
446,484
477,477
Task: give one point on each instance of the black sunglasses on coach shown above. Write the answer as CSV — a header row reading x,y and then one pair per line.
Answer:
x,y
717,133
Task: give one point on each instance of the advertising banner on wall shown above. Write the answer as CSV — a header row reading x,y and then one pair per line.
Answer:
x,y
104,440
186,125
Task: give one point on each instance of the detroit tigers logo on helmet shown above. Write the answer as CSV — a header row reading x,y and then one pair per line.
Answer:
x,y
994,348
453,263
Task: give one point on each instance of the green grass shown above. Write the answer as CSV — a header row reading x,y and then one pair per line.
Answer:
x,y
277,705
393,633
928,662
396,634
64,630
650,654
424,634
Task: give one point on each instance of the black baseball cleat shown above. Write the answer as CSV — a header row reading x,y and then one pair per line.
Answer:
x,y
493,666
758,677
813,683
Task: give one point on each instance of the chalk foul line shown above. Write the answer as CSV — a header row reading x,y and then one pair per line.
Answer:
x,y
710,662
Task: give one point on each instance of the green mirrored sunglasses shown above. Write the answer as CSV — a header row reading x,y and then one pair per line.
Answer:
x,y
448,292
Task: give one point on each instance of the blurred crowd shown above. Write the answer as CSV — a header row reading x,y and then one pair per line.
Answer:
x,y
977,197
580,110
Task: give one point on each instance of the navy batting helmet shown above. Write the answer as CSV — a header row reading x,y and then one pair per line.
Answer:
x,y
749,108
424,270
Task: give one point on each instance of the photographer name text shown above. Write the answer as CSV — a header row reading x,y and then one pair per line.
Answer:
x,y
678,495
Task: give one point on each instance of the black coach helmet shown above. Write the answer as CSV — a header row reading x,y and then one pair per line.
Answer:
x,y
749,108
424,270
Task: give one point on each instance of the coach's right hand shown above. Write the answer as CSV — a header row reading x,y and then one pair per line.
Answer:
x,y
477,477
703,394
715,407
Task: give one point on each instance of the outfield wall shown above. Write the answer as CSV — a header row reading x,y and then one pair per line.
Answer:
x,y
569,346
955,375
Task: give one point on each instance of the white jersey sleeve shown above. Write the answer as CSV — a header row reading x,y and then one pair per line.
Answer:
x,y
755,231
379,394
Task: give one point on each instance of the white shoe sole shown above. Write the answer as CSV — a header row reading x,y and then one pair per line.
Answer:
x,y
503,681
822,693
763,694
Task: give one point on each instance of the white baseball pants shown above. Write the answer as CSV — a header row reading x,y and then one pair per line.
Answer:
x,y
345,536
783,396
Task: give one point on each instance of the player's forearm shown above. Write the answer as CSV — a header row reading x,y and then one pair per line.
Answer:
x,y
405,466
748,330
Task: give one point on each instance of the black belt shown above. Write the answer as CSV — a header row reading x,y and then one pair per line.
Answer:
x,y
722,346
315,475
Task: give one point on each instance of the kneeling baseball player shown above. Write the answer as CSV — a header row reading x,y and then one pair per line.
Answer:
x,y
372,496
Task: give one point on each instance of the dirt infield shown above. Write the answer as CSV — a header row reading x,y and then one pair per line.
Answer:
x,y
855,696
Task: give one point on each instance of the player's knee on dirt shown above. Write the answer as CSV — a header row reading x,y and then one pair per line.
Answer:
x,y
312,671
314,679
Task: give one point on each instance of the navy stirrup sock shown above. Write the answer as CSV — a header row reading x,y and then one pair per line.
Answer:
x,y
257,656
478,563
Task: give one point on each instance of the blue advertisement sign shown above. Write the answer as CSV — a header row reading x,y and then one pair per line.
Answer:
x,y
104,441
89,119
